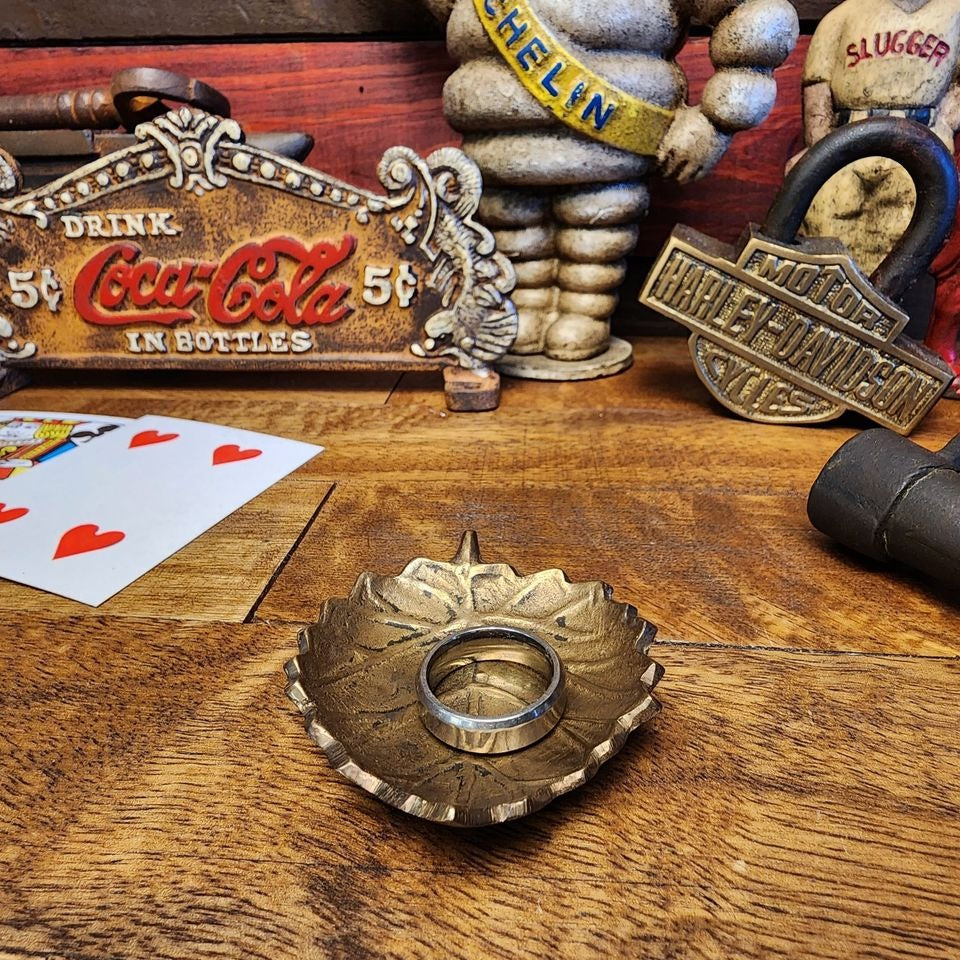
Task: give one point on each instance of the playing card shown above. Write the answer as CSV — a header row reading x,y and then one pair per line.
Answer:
x,y
87,525
30,438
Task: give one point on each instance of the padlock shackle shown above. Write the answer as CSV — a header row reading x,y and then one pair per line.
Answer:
x,y
925,158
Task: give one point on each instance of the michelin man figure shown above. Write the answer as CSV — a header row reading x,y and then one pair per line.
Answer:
x,y
568,108
869,58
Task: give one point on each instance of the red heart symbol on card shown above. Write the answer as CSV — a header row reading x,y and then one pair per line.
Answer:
x,y
230,453
11,513
85,538
146,437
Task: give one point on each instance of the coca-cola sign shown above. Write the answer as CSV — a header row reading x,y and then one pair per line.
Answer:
x,y
192,249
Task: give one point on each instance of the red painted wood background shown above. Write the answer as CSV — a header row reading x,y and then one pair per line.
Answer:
x,y
359,97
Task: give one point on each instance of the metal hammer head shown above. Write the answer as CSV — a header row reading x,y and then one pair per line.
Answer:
x,y
890,499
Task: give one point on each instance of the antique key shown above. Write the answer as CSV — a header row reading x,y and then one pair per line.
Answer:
x,y
135,94
51,134
787,331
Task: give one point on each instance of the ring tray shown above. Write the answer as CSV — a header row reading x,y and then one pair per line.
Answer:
x,y
365,685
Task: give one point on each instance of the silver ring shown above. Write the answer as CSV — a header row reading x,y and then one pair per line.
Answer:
x,y
497,734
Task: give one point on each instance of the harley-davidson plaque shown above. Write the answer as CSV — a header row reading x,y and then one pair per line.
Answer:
x,y
192,249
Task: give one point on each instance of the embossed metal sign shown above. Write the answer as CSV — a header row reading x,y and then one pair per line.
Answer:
x,y
789,335
192,249
788,332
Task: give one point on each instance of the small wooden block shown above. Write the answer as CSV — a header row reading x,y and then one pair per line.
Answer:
x,y
12,380
470,392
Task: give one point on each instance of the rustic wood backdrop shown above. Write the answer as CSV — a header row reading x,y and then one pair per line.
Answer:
x,y
31,21
797,797
363,76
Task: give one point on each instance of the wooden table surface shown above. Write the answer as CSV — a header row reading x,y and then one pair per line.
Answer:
x,y
797,797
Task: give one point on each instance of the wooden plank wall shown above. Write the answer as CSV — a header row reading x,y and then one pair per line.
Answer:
x,y
40,21
360,77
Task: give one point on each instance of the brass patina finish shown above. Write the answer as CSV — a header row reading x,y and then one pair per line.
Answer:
x,y
793,333
355,682
195,249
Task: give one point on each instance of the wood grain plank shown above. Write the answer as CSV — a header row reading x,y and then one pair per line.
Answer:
x,y
219,576
355,99
814,9
640,480
178,393
654,427
680,555
35,20
782,805
701,488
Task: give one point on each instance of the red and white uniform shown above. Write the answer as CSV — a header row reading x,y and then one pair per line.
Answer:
x,y
881,57
877,54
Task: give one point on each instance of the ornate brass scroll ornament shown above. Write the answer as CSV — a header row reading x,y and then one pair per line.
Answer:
x,y
468,694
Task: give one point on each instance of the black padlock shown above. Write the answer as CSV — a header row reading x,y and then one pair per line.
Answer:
x,y
890,499
787,331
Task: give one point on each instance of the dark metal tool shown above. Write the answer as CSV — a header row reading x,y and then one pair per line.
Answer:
x,y
135,94
52,134
792,332
892,500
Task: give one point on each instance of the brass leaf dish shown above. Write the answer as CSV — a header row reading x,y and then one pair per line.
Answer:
x,y
355,682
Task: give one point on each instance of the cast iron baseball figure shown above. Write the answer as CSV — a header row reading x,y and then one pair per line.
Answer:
x,y
869,58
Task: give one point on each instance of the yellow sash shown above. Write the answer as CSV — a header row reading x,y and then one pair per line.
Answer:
x,y
573,93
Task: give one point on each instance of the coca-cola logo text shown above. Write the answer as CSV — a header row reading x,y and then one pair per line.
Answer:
x,y
118,286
